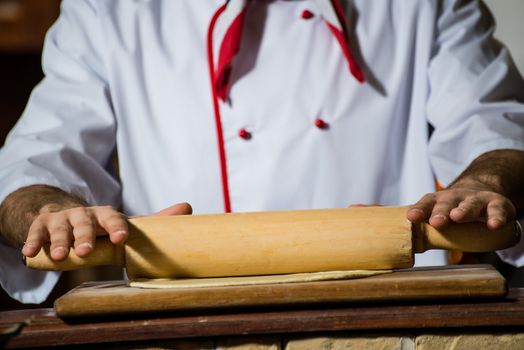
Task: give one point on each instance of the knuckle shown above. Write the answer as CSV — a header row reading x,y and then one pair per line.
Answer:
x,y
115,218
105,212
501,206
497,205
450,199
48,219
84,223
82,237
84,230
476,201
59,227
59,241
42,219
471,205
443,205
34,229
78,211
37,223
33,241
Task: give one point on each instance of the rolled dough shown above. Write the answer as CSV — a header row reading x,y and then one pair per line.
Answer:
x,y
162,283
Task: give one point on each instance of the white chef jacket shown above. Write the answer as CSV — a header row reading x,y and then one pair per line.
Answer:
x,y
138,70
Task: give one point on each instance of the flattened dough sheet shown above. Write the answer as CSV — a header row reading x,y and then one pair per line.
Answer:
x,y
162,283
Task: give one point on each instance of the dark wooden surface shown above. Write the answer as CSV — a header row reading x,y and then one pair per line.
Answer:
x,y
41,327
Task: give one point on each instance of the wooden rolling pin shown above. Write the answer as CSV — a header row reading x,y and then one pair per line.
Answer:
x,y
243,244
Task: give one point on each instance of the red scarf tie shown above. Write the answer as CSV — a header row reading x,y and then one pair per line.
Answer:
x,y
233,13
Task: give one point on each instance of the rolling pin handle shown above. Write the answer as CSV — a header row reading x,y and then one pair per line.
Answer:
x,y
472,237
106,253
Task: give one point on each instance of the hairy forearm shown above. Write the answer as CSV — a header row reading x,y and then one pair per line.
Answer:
x,y
20,208
501,171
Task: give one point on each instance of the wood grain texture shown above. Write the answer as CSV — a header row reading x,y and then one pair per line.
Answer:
x,y
466,237
270,243
116,298
46,329
263,243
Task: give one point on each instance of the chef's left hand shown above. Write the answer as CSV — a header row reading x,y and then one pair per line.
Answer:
x,y
465,201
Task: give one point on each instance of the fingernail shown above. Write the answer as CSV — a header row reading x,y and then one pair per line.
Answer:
x,y
86,245
495,222
417,210
120,233
60,250
440,217
28,247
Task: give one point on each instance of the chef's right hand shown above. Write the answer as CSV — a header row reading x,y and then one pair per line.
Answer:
x,y
78,228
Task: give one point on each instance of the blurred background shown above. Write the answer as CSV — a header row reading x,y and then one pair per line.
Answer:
x,y
23,24
509,15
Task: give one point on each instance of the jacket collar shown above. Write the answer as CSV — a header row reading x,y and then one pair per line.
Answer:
x,y
232,15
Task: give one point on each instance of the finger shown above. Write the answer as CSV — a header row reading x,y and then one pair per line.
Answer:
x,y
470,209
36,237
440,214
113,222
177,209
498,213
421,210
60,235
84,230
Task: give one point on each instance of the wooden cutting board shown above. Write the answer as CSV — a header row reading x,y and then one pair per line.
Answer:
x,y
93,299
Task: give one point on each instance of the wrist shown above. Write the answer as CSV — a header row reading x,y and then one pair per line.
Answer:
x,y
21,207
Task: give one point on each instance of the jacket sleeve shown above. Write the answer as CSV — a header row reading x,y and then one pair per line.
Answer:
x,y
476,101
65,136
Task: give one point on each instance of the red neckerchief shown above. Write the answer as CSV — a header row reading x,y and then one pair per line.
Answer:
x,y
233,13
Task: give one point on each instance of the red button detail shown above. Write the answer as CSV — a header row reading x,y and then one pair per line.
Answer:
x,y
319,123
306,14
243,133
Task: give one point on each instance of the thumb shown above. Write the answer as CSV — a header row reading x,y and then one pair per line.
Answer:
x,y
177,209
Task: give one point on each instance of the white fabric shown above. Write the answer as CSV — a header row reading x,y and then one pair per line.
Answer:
x,y
28,286
139,69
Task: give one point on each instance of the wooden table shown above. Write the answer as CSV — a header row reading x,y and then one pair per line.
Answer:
x,y
41,327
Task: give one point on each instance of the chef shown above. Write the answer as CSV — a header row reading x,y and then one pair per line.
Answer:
x,y
259,105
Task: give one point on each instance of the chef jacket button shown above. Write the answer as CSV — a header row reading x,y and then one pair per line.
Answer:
x,y
243,133
319,123
306,14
